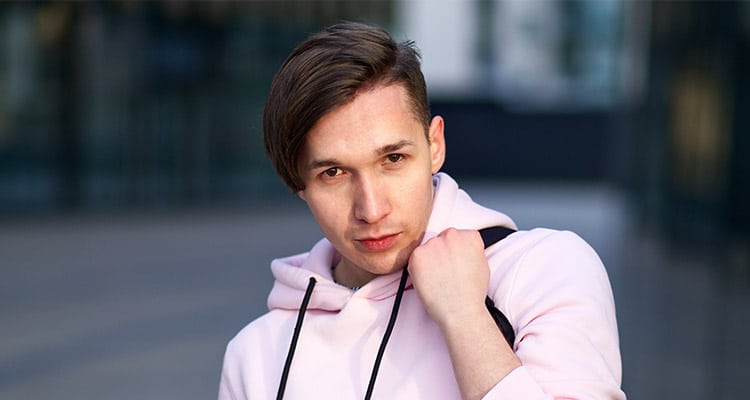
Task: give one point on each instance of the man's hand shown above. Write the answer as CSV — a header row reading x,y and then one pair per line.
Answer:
x,y
451,275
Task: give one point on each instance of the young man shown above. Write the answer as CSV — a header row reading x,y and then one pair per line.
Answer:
x,y
348,128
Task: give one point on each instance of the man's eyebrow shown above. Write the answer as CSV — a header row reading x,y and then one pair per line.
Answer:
x,y
327,163
390,148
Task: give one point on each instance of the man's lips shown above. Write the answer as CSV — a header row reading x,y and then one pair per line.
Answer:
x,y
381,243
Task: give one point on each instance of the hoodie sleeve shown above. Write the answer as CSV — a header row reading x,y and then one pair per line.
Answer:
x,y
561,305
229,378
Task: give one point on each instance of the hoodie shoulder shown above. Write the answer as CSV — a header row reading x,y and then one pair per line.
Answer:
x,y
454,208
255,356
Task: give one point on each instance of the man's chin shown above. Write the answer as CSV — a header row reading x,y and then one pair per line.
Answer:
x,y
386,267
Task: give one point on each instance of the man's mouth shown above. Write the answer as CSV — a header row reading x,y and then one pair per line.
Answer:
x,y
378,244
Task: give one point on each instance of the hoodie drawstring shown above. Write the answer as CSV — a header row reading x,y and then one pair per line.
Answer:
x,y
387,334
383,342
295,337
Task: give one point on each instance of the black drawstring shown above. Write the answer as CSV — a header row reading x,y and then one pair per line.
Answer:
x,y
387,334
489,236
381,350
295,336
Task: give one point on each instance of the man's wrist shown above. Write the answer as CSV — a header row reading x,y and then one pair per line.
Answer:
x,y
465,318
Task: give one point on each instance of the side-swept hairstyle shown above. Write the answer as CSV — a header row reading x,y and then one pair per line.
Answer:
x,y
327,71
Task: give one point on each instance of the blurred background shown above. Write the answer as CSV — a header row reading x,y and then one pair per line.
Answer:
x,y
138,213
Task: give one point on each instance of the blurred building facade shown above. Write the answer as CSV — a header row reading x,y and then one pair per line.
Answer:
x,y
116,105
140,104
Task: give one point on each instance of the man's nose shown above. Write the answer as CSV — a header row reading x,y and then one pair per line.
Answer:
x,y
371,202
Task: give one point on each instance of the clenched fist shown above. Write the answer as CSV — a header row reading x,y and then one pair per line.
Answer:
x,y
451,275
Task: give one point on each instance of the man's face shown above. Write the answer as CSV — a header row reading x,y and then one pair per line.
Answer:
x,y
368,167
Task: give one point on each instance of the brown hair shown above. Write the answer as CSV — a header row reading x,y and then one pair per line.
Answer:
x,y
326,71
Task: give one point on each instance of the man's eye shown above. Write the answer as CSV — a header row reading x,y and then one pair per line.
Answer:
x,y
394,158
331,172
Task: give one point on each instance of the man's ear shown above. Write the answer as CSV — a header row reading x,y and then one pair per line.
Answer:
x,y
437,143
301,194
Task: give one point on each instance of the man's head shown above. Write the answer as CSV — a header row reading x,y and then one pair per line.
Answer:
x,y
327,71
347,126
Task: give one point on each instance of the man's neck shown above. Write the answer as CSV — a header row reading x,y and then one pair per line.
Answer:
x,y
346,274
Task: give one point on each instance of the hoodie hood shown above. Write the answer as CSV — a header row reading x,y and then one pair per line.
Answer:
x,y
452,208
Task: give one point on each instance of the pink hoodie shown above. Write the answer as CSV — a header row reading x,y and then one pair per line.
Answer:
x,y
550,284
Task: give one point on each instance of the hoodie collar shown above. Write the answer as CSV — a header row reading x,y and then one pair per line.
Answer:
x,y
452,207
